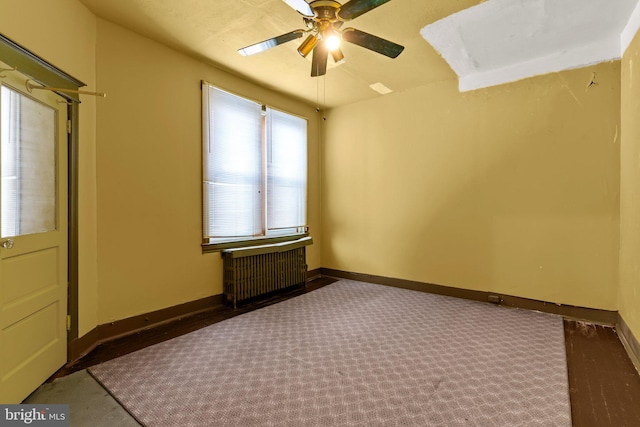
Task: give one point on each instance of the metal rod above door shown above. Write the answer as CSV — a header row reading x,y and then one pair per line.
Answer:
x,y
31,86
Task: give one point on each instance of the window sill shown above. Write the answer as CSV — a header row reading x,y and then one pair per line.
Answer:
x,y
218,247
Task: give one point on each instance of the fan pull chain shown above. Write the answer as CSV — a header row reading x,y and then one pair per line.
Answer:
x,y
324,96
317,96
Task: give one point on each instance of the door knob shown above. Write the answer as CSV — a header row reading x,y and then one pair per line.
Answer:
x,y
7,244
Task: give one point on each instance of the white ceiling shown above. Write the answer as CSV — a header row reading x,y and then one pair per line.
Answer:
x,y
494,35
505,40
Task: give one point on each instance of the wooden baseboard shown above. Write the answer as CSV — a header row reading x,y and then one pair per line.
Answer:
x,y
604,317
312,274
629,341
81,346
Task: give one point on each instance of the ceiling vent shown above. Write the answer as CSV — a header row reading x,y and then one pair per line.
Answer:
x,y
380,88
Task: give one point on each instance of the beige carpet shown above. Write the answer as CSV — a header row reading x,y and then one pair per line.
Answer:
x,y
354,354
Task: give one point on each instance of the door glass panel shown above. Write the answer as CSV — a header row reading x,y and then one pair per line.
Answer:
x,y
28,165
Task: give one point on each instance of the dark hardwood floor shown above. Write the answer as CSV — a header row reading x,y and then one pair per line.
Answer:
x,y
604,386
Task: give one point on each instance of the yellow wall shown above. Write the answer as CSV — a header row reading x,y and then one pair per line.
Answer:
x,y
149,174
629,295
511,189
63,32
140,203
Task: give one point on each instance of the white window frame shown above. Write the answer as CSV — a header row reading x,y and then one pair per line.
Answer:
x,y
266,234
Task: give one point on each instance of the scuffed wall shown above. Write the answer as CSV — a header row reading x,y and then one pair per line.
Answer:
x,y
512,189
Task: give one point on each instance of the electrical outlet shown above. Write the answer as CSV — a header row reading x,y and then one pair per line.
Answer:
x,y
496,299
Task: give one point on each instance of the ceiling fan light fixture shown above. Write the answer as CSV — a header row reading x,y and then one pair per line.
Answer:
x,y
307,45
338,56
323,21
331,40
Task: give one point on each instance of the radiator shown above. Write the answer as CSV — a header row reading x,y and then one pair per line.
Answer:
x,y
257,271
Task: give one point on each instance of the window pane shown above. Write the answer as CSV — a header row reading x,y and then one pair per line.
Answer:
x,y
233,165
28,203
286,170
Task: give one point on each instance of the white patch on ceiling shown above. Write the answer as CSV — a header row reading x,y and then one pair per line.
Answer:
x,y
501,41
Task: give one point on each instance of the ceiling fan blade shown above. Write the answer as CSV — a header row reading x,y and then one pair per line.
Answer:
x,y
301,6
371,42
319,62
355,8
268,44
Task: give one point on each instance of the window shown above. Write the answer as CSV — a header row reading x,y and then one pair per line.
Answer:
x,y
255,170
28,165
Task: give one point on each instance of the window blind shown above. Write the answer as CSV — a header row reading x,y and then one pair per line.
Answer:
x,y
286,170
255,169
28,163
233,163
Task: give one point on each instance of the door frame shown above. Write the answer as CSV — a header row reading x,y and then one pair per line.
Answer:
x,y
47,74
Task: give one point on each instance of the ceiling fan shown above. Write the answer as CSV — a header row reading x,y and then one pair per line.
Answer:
x,y
323,20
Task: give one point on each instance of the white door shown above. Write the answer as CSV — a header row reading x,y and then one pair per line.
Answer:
x,y
33,237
